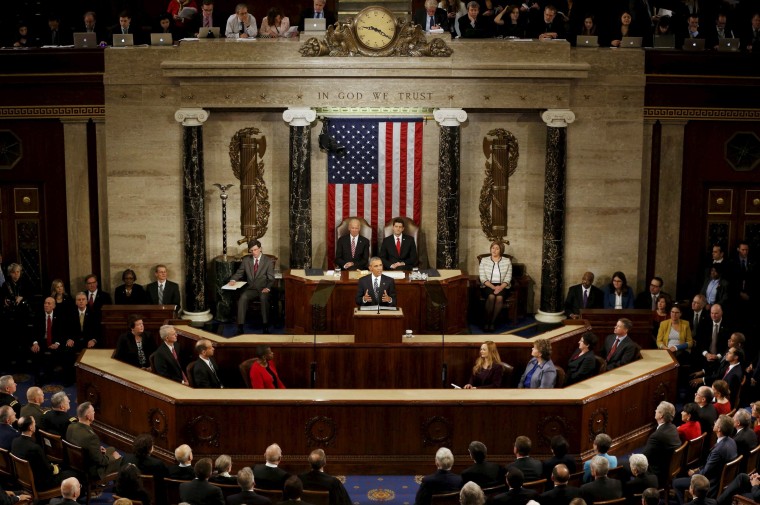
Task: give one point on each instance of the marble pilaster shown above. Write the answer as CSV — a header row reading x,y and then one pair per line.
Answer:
x,y
194,213
300,120
552,254
447,251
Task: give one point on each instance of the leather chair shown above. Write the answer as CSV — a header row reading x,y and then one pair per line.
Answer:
x,y
412,229
539,486
694,451
730,471
245,371
561,377
365,231
77,459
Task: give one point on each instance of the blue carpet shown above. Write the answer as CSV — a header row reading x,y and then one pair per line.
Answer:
x,y
366,489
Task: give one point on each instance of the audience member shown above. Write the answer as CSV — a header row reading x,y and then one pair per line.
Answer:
x,y
442,481
130,293
129,485
582,363
317,11
398,250
205,369
454,10
198,491
57,419
136,345
96,298
270,475
746,485
7,390
495,273
650,496
222,469
531,468
145,462
430,17
745,438
690,427
471,494
602,488
183,470
84,327
618,295
589,25
263,373
90,25
274,24
660,444
293,491
517,494
183,12
707,413
583,296
625,28
674,334
123,27
485,474
642,476
719,30
316,479
473,25
165,25
47,335
241,25
540,372
511,28
488,370
101,460
352,249
561,493
7,432
721,395
166,359
70,489
56,35
751,38
560,448
602,443
35,397
716,287
162,291
209,18
64,303
247,496
618,348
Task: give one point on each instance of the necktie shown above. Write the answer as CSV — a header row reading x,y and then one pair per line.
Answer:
x,y
727,370
614,348
398,246
744,265
714,341
654,302
160,294
432,22
585,298
123,31
174,353
377,291
49,330
696,321
91,301
81,321
207,21
255,267
353,247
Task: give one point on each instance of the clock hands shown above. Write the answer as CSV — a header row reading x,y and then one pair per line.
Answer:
x,y
376,29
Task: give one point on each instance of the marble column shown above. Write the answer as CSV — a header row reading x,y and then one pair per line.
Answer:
x,y
300,119
193,192
552,255
447,252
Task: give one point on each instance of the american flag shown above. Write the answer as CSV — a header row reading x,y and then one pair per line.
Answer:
x,y
379,176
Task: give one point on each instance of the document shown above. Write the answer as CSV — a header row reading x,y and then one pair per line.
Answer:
x,y
237,285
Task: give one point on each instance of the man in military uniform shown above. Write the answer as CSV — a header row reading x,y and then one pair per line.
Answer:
x,y
57,420
7,388
35,398
101,461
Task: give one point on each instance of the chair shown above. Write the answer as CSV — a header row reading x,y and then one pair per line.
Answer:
x,y
77,459
636,497
316,497
189,373
616,501
365,231
561,377
601,364
245,371
152,361
694,451
149,485
539,486
576,479
7,472
752,460
275,495
172,490
510,303
53,446
493,491
506,376
25,478
729,473
413,230
227,489
614,473
676,465
445,498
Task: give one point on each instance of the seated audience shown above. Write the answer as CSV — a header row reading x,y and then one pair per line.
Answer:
x,y
241,25
517,494
263,373
100,461
661,444
274,24
651,496
746,485
751,37
35,397
205,371
166,358
318,480
690,428
142,457
618,295
744,437
642,477
625,28
23,37
664,26
531,468
129,485
183,470
495,282
318,11
560,448
430,17
511,28
583,296
755,406
719,30
619,349
674,334
721,396
222,469
602,444
482,472
551,27
70,489
540,372
57,419
293,491
582,364
659,314
270,475
57,35
707,413
561,493
7,389
471,494
488,369
63,301
125,27
454,10
209,18
46,474
90,25
442,481
247,495
473,25
589,26
199,491
130,293
7,432
602,488
136,345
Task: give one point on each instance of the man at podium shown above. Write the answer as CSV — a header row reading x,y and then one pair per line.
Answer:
x,y
376,288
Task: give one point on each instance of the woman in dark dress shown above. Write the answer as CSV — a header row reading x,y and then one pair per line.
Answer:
x,y
129,485
511,28
488,368
63,302
582,364
136,345
130,293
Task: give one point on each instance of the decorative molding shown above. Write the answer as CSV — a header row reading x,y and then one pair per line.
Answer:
x,y
437,430
373,111
450,117
299,116
157,423
551,426
693,113
191,117
597,423
558,118
320,431
203,430
53,111
92,394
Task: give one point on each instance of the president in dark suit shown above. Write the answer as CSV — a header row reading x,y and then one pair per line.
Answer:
x,y
583,296
561,493
318,480
162,292
619,349
165,360
270,475
247,496
318,11
376,288
398,251
431,17
352,250
205,371
257,270
442,481
602,488
199,491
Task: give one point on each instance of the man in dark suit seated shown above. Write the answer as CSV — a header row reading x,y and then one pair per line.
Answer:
x,y
125,26
205,371
561,494
90,25
7,432
471,494
166,358
650,496
46,475
745,485
699,487
209,18
247,496
56,34
707,413
352,250
70,489
258,271
583,296
483,473
57,419
318,480
101,461
183,470
661,444
84,325
602,488
517,495
398,251
531,468
559,447
745,438
198,491
442,481
376,288
163,291
318,11
647,299
144,460
642,479
549,28
619,349
473,25
431,17
46,341
270,475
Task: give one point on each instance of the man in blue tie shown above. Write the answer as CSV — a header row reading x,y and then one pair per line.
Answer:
x,y
431,17
376,288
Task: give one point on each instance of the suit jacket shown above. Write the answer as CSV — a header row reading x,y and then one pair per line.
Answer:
x,y
134,30
148,466
126,348
644,299
440,16
574,299
545,377
389,255
26,448
624,353
136,297
268,477
724,332
83,435
309,14
101,298
39,331
481,30
203,377
722,453
261,379
707,417
703,323
560,495
165,364
602,489
57,422
684,334
177,472
200,492
519,496
248,498
484,474
7,434
264,277
81,334
531,468
746,440
386,284
171,293
733,379
639,483
659,448
343,252
609,299
218,20
320,481
442,481
549,464
580,368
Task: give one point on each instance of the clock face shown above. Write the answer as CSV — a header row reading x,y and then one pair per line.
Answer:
x,y
375,27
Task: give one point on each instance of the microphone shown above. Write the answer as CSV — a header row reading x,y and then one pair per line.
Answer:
x,y
379,296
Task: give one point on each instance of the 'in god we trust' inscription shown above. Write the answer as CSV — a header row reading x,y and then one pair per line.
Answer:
x,y
376,96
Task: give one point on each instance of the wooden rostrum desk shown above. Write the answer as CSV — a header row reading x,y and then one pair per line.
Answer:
x,y
364,415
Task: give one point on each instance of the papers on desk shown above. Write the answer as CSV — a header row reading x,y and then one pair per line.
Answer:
x,y
237,285
437,30
395,274
455,386
373,308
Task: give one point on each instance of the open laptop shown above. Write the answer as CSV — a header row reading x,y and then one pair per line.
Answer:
x,y
664,42
84,39
209,33
587,41
728,45
315,25
123,40
161,39
631,42
694,45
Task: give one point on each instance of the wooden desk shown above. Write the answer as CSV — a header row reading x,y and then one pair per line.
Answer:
x,y
378,327
115,318
419,315
602,322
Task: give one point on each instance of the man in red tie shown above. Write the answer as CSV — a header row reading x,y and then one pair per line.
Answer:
x,y
619,349
165,360
398,251
257,270
96,298
46,340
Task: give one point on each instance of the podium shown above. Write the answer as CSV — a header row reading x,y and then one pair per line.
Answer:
x,y
383,328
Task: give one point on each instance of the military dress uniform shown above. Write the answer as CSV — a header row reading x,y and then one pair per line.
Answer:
x,y
8,399
57,422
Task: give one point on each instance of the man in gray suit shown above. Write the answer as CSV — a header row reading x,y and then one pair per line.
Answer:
x,y
258,271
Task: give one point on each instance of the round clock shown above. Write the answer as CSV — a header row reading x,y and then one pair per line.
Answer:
x,y
375,28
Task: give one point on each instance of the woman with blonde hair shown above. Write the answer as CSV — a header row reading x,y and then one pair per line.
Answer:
x,y
488,368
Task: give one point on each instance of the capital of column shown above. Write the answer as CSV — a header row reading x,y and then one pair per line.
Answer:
x,y
450,117
299,116
558,118
191,117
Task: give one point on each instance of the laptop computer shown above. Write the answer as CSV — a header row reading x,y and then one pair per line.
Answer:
x,y
631,42
587,41
121,40
209,33
694,45
664,42
85,39
315,25
161,39
728,45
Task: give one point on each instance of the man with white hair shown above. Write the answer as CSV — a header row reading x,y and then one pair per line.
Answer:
x,y
602,488
661,443
432,17
183,470
270,475
442,481
471,494
642,479
70,489
57,419
744,437
247,495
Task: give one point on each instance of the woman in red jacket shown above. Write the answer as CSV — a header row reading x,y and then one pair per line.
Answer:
x,y
263,372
